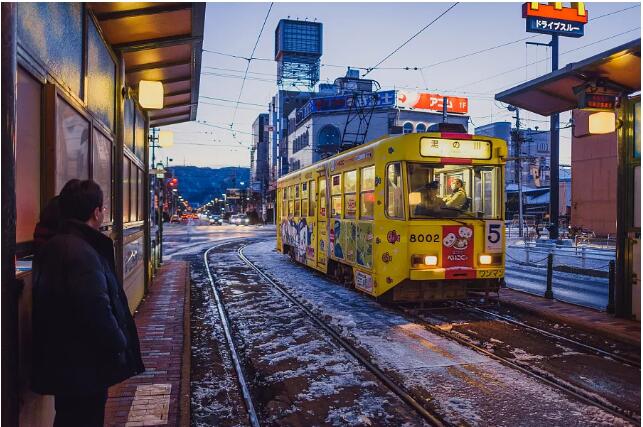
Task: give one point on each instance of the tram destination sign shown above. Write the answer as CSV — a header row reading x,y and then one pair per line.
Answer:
x,y
455,148
555,19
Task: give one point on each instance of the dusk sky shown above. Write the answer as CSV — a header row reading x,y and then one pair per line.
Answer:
x,y
362,34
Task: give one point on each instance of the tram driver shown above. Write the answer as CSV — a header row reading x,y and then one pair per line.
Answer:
x,y
458,197
431,203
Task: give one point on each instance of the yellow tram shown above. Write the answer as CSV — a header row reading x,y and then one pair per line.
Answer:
x,y
408,218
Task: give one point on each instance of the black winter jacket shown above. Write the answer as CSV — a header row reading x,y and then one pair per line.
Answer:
x,y
84,337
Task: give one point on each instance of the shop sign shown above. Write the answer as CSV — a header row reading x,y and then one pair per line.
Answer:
x,y
554,19
422,101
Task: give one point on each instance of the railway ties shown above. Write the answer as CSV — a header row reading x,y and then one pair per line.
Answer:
x,y
481,331
289,322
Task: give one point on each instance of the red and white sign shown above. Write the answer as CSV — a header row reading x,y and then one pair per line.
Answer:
x,y
457,252
431,102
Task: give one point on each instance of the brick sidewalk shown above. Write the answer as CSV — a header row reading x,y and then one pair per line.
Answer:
x,y
584,318
159,396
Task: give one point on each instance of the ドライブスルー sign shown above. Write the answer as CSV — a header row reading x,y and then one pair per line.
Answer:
x,y
555,19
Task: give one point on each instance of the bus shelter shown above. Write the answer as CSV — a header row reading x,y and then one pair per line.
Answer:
x,y
82,84
608,86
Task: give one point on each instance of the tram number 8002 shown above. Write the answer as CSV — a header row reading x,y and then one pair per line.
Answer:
x,y
428,238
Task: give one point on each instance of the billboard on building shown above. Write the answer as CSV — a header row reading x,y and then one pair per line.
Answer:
x,y
343,102
411,100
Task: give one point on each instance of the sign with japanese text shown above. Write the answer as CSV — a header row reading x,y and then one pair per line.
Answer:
x,y
457,251
431,102
344,102
554,19
455,148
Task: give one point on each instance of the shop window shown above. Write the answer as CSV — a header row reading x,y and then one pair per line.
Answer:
x,y
367,192
27,156
421,127
128,123
72,147
407,128
53,33
102,169
139,135
126,189
350,196
141,194
394,191
101,76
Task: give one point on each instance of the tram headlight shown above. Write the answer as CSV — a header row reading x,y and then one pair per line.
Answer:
x,y
424,260
430,260
485,259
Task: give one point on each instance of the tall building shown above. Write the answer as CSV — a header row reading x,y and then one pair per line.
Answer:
x,y
259,164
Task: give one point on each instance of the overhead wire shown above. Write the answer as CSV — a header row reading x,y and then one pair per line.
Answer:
x,y
245,75
411,38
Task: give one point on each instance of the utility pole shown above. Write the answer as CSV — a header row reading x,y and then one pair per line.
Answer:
x,y
445,105
517,139
554,148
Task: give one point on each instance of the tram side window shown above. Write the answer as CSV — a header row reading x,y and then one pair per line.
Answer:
x,y
304,199
297,206
322,197
394,191
336,199
313,198
367,192
284,202
350,195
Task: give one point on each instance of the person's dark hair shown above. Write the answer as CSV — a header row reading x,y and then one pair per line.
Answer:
x,y
79,199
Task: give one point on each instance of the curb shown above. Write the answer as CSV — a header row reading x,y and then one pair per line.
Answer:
x,y
184,392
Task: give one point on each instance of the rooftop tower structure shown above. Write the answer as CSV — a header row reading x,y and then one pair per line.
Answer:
x,y
298,49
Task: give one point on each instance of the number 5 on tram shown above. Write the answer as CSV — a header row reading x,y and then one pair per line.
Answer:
x,y
413,217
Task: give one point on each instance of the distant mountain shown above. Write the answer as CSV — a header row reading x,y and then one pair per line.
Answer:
x,y
200,185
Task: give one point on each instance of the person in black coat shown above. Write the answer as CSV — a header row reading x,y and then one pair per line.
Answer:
x,y
84,337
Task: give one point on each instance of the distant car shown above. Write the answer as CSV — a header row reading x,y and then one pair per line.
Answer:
x,y
216,220
240,219
175,218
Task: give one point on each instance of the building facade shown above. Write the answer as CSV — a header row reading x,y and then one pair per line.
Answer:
x,y
259,165
534,152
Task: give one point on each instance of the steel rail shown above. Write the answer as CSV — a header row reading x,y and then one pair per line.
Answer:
x,y
561,385
399,391
225,322
597,350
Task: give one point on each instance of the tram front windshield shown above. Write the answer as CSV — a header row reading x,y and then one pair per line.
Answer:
x,y
453,191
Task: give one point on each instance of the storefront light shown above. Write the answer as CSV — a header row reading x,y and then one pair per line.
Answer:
x,y
150,94
602,122
166,138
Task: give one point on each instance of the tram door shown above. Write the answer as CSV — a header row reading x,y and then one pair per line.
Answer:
x,y
322,221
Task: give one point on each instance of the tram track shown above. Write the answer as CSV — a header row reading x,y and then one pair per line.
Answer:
x,y
586,396
589,348
234,354
399,391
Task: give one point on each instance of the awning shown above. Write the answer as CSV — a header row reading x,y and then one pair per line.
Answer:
x,y
162,42
554,92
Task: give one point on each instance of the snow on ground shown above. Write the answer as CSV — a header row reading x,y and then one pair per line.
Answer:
x,y
465,386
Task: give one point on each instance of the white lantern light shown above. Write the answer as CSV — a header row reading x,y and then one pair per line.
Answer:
x,y
602,122
166,138
150,94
